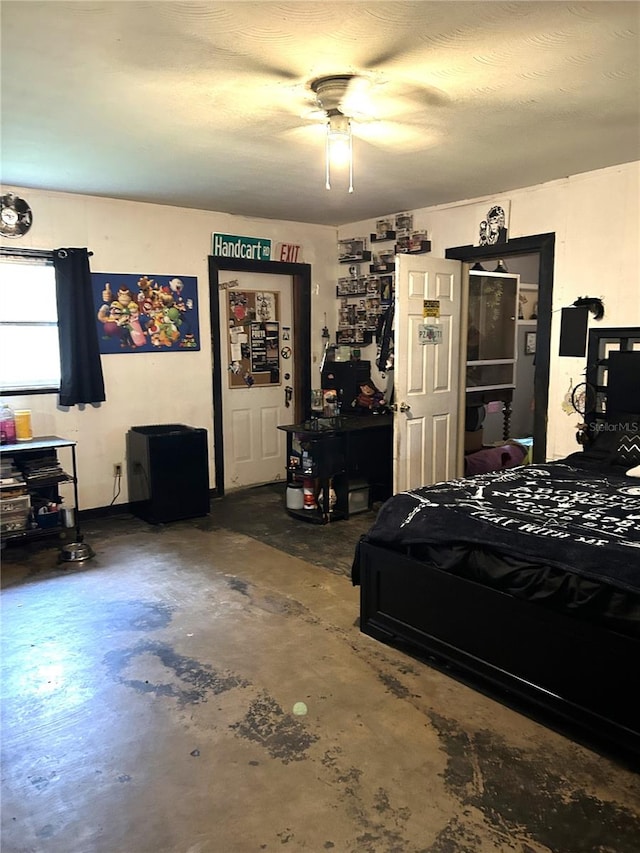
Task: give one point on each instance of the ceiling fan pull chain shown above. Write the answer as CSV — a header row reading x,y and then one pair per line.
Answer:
x,y
327,160
350,159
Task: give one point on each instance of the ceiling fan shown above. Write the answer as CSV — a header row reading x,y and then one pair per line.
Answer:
x,y
357,104
382,86
332,92
376,110
331,96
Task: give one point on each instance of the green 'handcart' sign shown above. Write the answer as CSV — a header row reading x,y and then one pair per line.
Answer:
x,y
248,248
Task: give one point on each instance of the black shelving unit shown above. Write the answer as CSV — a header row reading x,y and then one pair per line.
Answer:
x,y
344,451
359,259
28,456
381,268
425,247
321,459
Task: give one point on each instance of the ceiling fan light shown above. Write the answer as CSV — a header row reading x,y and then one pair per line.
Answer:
x,y
339,151
339,135
339,147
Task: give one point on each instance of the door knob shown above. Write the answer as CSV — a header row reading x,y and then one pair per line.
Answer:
x,y
405,407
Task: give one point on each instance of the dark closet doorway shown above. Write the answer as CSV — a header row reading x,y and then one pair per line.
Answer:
x,y
543,245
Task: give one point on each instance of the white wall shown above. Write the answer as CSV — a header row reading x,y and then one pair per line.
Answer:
x,y
150,388
596,220
595,217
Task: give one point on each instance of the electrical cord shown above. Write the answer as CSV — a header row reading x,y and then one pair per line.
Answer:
x,y
117,484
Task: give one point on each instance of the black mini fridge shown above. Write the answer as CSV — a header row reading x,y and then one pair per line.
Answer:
x,y
168,472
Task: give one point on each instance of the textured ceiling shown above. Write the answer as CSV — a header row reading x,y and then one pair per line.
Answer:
x,y
207,105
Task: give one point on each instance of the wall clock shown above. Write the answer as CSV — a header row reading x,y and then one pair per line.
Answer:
x,y
15,216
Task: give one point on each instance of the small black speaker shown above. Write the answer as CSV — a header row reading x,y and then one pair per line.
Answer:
x,y
573,332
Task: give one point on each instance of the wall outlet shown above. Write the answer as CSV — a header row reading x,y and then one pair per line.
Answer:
x,y
117,469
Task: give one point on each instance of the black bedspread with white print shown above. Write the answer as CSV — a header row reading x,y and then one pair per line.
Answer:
x,y
585,521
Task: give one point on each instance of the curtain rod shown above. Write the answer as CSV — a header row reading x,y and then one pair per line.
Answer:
x,y
26,253
30,253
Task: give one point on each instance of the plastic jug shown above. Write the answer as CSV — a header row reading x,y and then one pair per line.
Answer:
x,y
22,420
295,496
7,424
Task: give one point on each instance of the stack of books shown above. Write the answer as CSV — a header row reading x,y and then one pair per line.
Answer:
x,y
12,482
44,469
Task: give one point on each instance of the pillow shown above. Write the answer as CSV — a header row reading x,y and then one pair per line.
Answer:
x,y
494,459
626,449
634,472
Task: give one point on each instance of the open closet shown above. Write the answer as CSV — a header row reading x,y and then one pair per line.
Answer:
x,y
531,260
501,351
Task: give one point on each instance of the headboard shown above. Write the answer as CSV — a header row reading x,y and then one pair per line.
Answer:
x,y
613,374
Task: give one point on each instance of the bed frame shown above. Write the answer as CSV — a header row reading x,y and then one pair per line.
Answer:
x,y
569,671
601,343
574,672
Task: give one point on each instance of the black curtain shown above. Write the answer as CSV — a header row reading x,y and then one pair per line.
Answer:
x,y
81,379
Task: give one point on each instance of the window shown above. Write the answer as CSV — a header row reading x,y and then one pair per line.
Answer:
x,y
29,349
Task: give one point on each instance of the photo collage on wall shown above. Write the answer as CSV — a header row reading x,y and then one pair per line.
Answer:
x,y
254,338
140,313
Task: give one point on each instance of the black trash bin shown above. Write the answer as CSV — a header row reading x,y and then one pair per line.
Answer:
x,y
168,472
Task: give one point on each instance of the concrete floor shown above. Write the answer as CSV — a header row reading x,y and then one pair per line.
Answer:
x,y
194,689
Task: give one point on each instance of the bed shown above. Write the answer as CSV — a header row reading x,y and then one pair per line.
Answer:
x,y
526,581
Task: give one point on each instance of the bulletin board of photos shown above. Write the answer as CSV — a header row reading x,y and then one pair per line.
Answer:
x,y
254,338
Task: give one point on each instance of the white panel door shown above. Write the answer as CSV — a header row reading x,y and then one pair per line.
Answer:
x,y
426,376
254,447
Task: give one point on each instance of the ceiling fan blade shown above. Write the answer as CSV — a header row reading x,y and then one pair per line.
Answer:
x,y
357,99
404,98
175,38
416,92
310,134
316,115
376,97
395,135
262,66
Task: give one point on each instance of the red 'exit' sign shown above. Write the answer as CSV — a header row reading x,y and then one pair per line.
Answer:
x,y
289,253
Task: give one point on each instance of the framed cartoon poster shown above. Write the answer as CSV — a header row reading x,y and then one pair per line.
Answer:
x,y
140,313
